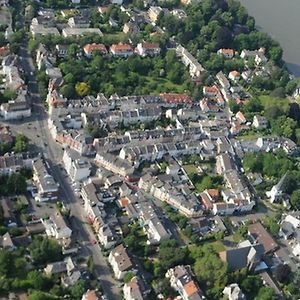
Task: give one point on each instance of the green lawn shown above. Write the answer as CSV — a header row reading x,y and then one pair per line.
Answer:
x,y
190,169
164,85
115,37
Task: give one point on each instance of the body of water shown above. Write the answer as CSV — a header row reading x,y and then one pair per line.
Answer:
x,y
281,19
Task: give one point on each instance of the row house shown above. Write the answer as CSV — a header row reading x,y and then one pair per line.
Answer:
x,y
44,57
45,183
224,163
156,151
78,32
77,167
181,199
13,163
114,164
195,68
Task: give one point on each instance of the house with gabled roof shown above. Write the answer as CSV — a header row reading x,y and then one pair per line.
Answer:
x,y
121,50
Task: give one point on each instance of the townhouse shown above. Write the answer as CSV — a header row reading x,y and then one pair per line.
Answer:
x,y
195,68
13,163
181,199
115,164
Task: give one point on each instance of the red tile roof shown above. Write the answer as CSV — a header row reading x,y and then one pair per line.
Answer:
x,y
190,288
89,48
147,45
120,47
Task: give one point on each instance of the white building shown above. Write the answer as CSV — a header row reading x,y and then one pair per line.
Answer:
x,y
77,167
56,227
15,110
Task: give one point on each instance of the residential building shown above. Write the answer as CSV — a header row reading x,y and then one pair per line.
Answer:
x,y
226,53
181,280
79,22
240,117
258,234
135,289
10,218
13,163
16,109
120,262
195,68
276,193
45,183
234,75
37,30
77,167
56,227
148,49
115,164
118,2
121,50
223,80
61,50
88,49
154,12
245,256
131,28
260,122
92,295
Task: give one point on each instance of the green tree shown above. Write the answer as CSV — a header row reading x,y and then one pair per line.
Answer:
x,y
16,184
38,295
266,293
295,199
78,289
128,276
82,89
21,143
44,250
